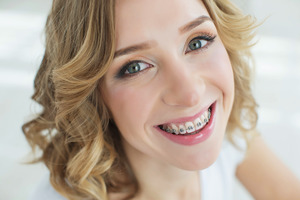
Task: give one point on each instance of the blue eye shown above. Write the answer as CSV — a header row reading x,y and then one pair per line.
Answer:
x,y
133,68
199,42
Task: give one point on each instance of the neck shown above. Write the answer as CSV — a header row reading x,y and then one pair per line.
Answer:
x,y
160,180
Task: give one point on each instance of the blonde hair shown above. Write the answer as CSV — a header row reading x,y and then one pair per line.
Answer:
x,y
80,145
237,33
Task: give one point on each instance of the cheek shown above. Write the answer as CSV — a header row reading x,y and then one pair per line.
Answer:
x,y
130,107
222,75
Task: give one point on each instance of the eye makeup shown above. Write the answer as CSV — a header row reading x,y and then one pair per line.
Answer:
x,y
133,68
199,42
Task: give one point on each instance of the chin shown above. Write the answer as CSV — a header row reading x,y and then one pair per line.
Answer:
x,y
202,162
203,158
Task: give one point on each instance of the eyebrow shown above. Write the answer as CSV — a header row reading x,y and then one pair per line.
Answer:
x,y
193,24
147,45
134,48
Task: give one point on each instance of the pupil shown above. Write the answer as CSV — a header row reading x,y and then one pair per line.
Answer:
x,y
196,44
134,67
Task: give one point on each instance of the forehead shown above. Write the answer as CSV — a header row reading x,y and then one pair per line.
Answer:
x,y
140,20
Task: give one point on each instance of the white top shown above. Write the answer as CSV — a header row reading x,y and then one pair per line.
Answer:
x,y
216,181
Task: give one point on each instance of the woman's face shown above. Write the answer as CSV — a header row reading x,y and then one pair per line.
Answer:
x,y
170,87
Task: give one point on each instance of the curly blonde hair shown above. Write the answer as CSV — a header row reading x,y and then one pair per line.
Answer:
x,y
80,145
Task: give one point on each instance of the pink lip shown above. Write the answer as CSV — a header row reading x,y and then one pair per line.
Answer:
x,y
189,140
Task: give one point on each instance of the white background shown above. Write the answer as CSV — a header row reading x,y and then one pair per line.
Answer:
x,y
277,85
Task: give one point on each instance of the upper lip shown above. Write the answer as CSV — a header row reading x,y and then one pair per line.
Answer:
x,y
190,118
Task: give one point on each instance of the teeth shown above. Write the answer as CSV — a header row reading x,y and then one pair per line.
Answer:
x,y
189,126
205,114
206,117
169,130
165,127
202,119
174,129
198,124
182,129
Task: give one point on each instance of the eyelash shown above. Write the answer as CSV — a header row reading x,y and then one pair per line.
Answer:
x,y
122,73
206,37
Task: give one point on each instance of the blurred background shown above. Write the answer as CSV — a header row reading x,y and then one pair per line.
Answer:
x,y
277,85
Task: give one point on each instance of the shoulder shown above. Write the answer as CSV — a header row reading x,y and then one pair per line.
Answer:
x,y
234,154
265,175
45,191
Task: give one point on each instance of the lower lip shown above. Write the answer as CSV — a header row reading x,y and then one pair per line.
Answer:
x,y
189,140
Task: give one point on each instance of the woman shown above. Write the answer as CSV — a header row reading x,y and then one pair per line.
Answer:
x,y
138,96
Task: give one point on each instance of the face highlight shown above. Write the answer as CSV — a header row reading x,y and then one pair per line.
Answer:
x,y
170,87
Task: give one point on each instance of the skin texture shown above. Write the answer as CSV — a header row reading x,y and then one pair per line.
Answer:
x,y
265,176
178,84
175,82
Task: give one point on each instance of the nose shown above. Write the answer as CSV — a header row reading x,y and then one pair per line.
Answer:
x,y
184,85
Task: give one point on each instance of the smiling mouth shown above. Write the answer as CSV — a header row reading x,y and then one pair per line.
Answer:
x,y
188,127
